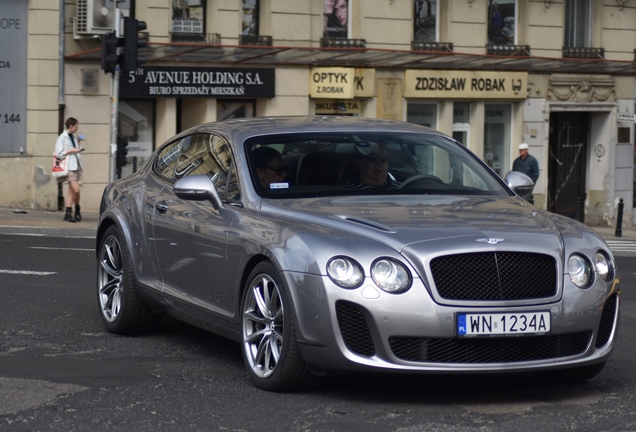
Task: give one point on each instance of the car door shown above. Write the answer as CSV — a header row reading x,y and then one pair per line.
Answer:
x,y
190,236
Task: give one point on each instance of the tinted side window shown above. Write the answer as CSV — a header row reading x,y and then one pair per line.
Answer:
x,y
167,159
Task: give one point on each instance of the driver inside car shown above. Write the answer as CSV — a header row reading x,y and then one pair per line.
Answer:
x,y
372,163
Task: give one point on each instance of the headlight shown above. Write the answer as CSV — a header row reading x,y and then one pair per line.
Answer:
x,y
603,266
390,275
345,272
580,270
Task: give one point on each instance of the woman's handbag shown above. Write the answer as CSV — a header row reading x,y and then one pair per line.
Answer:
x,y
60,167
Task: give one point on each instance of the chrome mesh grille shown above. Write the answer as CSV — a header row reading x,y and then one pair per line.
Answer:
x,y
489,350
607,321
354,329
495,276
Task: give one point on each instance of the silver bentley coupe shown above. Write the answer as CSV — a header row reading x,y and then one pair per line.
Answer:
x,y
336,244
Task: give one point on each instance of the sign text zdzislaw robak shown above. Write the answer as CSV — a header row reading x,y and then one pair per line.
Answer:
x,y
234,83
465,84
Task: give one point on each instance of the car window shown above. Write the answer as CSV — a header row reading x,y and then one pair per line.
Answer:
x,y
200,154
167,159
314,164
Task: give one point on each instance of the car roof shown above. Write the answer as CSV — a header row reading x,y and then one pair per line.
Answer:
x,y
237,130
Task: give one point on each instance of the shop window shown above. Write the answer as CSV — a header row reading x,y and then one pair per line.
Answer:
x,y
497,137
226,110
461,122
188,21
502,17
335,22
424,114
136,126
578,23
425,20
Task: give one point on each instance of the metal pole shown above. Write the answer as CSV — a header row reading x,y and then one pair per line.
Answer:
x,y
619,219
114,99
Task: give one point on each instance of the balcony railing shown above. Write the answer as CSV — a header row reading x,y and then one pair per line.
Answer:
x,y
583,52
198,38
509,50
342,43
255,40
432,46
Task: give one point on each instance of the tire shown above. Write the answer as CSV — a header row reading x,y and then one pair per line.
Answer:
x,y
578,374
120,306
269,345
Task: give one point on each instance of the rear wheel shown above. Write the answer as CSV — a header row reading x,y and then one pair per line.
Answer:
x,y
119,304
269,346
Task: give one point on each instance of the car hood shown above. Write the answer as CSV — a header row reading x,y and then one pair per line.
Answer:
x,y
423,224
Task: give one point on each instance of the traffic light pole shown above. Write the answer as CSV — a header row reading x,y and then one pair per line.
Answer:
x,y
114,101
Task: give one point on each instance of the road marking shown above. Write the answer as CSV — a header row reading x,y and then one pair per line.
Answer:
x,y
44,235
27,272
57,248
621,245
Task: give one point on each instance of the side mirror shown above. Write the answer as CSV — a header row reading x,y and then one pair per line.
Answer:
x,y
198,188
520,183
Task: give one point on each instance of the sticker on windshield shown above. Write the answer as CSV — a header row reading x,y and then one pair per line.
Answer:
x,y
279,185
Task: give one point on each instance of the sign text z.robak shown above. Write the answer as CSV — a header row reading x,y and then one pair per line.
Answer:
x,y
465,84
228,83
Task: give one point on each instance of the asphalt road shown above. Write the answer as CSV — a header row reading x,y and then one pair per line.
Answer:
x,y
60,370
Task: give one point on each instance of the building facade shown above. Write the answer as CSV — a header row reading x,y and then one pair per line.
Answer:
x,y
556,74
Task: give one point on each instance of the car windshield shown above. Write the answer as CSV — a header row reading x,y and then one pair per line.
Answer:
x,y
326,164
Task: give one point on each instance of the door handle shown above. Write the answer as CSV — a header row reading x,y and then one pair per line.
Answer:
x,y
161,207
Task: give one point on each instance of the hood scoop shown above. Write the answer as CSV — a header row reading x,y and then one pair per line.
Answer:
x,y
365,222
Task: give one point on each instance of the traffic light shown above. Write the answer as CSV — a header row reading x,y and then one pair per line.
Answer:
x,y
132,43
121,152
110,58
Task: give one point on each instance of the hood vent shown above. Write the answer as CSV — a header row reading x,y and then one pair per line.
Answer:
x,y
365,222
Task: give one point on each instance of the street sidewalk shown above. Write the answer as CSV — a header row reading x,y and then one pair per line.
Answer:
x,y
16,218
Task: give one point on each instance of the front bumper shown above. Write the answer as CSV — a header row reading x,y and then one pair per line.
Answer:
x,y
368,329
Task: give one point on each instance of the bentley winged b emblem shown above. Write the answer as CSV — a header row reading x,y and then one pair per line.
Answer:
x,y
490,240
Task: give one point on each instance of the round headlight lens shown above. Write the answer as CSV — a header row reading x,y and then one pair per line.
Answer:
x,y
603,266
345,272
390,275
580,271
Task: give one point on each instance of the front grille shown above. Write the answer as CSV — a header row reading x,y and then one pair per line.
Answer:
x,y
490,350
354,329
495,276
607,321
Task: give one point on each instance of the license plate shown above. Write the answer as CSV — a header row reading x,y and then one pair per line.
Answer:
x,y
502,324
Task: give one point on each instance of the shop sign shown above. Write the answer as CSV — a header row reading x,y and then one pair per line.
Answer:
x,y
444,84
626,118
328,106
191,82
364,83
331,83
139,149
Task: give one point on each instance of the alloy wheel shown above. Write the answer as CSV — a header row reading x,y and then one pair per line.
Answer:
x,y
263,325
110,279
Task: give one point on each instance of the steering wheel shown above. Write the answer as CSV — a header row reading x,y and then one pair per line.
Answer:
x,y
421,178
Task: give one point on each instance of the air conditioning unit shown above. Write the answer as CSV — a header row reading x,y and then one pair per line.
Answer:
x,y
93,18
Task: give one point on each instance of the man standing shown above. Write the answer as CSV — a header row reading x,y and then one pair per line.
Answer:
x,y
526,164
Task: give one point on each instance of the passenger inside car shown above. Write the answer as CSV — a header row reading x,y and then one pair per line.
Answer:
x,y
270,169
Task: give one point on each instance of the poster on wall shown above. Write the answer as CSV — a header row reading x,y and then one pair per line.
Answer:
x,y
335,16
187,17
501,22
424,20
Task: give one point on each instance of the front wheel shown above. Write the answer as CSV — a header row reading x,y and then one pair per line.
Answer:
x,y
269,346
120,307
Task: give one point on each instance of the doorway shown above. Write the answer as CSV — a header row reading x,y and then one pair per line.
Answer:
x,y
566,163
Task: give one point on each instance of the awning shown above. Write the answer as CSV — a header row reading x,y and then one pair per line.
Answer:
x,y
158,53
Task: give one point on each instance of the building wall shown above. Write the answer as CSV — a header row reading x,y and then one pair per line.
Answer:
x,y
298,23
